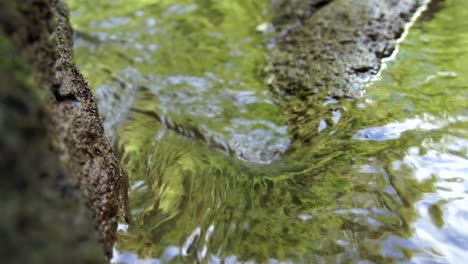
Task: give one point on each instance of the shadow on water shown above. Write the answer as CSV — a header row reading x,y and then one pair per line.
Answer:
x,y
384,180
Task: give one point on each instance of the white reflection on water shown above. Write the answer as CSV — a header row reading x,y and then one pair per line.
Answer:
x,y
448,241
394,130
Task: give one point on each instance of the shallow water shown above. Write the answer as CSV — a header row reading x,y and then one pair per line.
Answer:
x,y
194,63
385,181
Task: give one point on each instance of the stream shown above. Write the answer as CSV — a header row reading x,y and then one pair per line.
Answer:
x,y
181,90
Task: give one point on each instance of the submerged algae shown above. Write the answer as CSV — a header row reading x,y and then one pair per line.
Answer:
x,y
329,54
193,63
241,207
345,190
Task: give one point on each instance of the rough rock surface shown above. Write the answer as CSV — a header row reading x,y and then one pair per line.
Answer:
x,y
86,151
67,119
45,217
327,49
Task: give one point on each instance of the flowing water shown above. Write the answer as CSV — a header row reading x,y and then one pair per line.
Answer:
x,y
180,88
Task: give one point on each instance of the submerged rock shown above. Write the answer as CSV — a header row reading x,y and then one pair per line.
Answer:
x,y
327,50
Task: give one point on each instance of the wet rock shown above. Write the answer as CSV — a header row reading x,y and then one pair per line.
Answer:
x,y
327,50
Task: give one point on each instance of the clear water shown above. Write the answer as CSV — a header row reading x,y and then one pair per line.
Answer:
x,y
194,63
386,181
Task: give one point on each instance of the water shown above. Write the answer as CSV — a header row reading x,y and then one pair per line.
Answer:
x,y
140,50
385,181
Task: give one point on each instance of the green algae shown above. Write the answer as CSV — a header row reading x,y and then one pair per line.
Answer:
x,y
217,88
347,189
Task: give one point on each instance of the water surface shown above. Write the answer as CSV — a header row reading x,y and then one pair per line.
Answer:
x,y
385,181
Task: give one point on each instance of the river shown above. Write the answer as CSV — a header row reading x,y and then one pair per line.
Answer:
x,y
181,89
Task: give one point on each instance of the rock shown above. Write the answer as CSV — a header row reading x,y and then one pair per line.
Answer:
x,y
327,49
45,217
55,149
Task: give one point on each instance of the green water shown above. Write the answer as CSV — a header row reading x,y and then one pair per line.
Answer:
x,y
196,63
384,181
